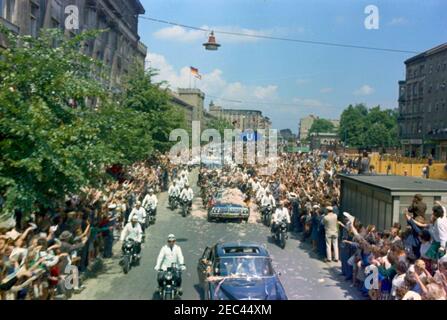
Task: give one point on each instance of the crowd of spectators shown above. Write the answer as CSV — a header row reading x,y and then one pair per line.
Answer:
x,y
402,262
44,254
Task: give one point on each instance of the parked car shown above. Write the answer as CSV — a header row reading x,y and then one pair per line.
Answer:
x,y
239,271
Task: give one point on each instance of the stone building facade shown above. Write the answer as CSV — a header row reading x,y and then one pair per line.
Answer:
x,y
241,119
307,122
422,100
191,103
119,47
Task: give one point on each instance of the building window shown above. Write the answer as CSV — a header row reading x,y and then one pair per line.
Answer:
x,y
34,19
421,70
54,23
8,9
56,10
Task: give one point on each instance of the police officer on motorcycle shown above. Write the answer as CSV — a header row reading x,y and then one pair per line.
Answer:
x,y
140,213
173,191
150,202
187,195
169,254
133,231
281,214
267,202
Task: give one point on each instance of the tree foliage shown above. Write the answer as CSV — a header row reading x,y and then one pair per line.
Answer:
x,y
363,127
53,141
220,125
321,125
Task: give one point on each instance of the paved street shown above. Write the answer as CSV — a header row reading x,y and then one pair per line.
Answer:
x,y
303,276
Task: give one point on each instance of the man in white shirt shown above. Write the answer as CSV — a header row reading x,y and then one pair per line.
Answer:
x,y
173,190
439,228
262,190
255,186
281,214
180,183
184,178
267,201
187,194
139,212
150,202
133,231
169,254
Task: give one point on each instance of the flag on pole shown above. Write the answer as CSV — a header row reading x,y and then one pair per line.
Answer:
x,y
196,73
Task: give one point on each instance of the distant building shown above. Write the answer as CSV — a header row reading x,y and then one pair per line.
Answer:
x,y
324,141
422,100
191,102
287,135
118,48
307,122
241,118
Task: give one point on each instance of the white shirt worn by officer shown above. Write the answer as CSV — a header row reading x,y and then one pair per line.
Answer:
x,y
255,186
268,200
150,201
180,183
281,214
187,194
140,214
173,191
168,256
132,232
261,193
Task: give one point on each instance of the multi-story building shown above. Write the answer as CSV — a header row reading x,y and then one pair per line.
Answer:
x,y
325,141
191,102
241,119
423,104
307,122
119,47
287,135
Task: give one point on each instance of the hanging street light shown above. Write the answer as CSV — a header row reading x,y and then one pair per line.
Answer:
x,y
211,44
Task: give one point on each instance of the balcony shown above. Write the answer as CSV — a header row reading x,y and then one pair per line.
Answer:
x,y
437,134
9,25
410,116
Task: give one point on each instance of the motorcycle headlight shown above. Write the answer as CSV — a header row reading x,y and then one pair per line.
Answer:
x,y
169,277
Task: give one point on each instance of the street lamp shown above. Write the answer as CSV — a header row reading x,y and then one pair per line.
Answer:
x,y
211,45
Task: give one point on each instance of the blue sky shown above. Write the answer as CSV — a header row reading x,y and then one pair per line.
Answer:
x,y
290,80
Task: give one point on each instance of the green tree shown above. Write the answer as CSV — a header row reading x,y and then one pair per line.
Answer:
x,y
49,146
360,127
220,125
321,125
150,103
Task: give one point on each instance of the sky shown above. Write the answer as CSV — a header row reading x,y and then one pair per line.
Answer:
x,y
289,80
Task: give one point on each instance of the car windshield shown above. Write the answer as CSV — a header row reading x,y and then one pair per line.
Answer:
x,y
243,267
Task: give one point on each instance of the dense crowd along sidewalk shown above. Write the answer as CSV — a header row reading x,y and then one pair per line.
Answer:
x,y
39,253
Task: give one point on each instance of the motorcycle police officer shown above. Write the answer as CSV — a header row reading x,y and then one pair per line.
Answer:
x,y
169,254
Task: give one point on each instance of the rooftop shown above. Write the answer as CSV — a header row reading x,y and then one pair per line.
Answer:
x,y
429,52
399,183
